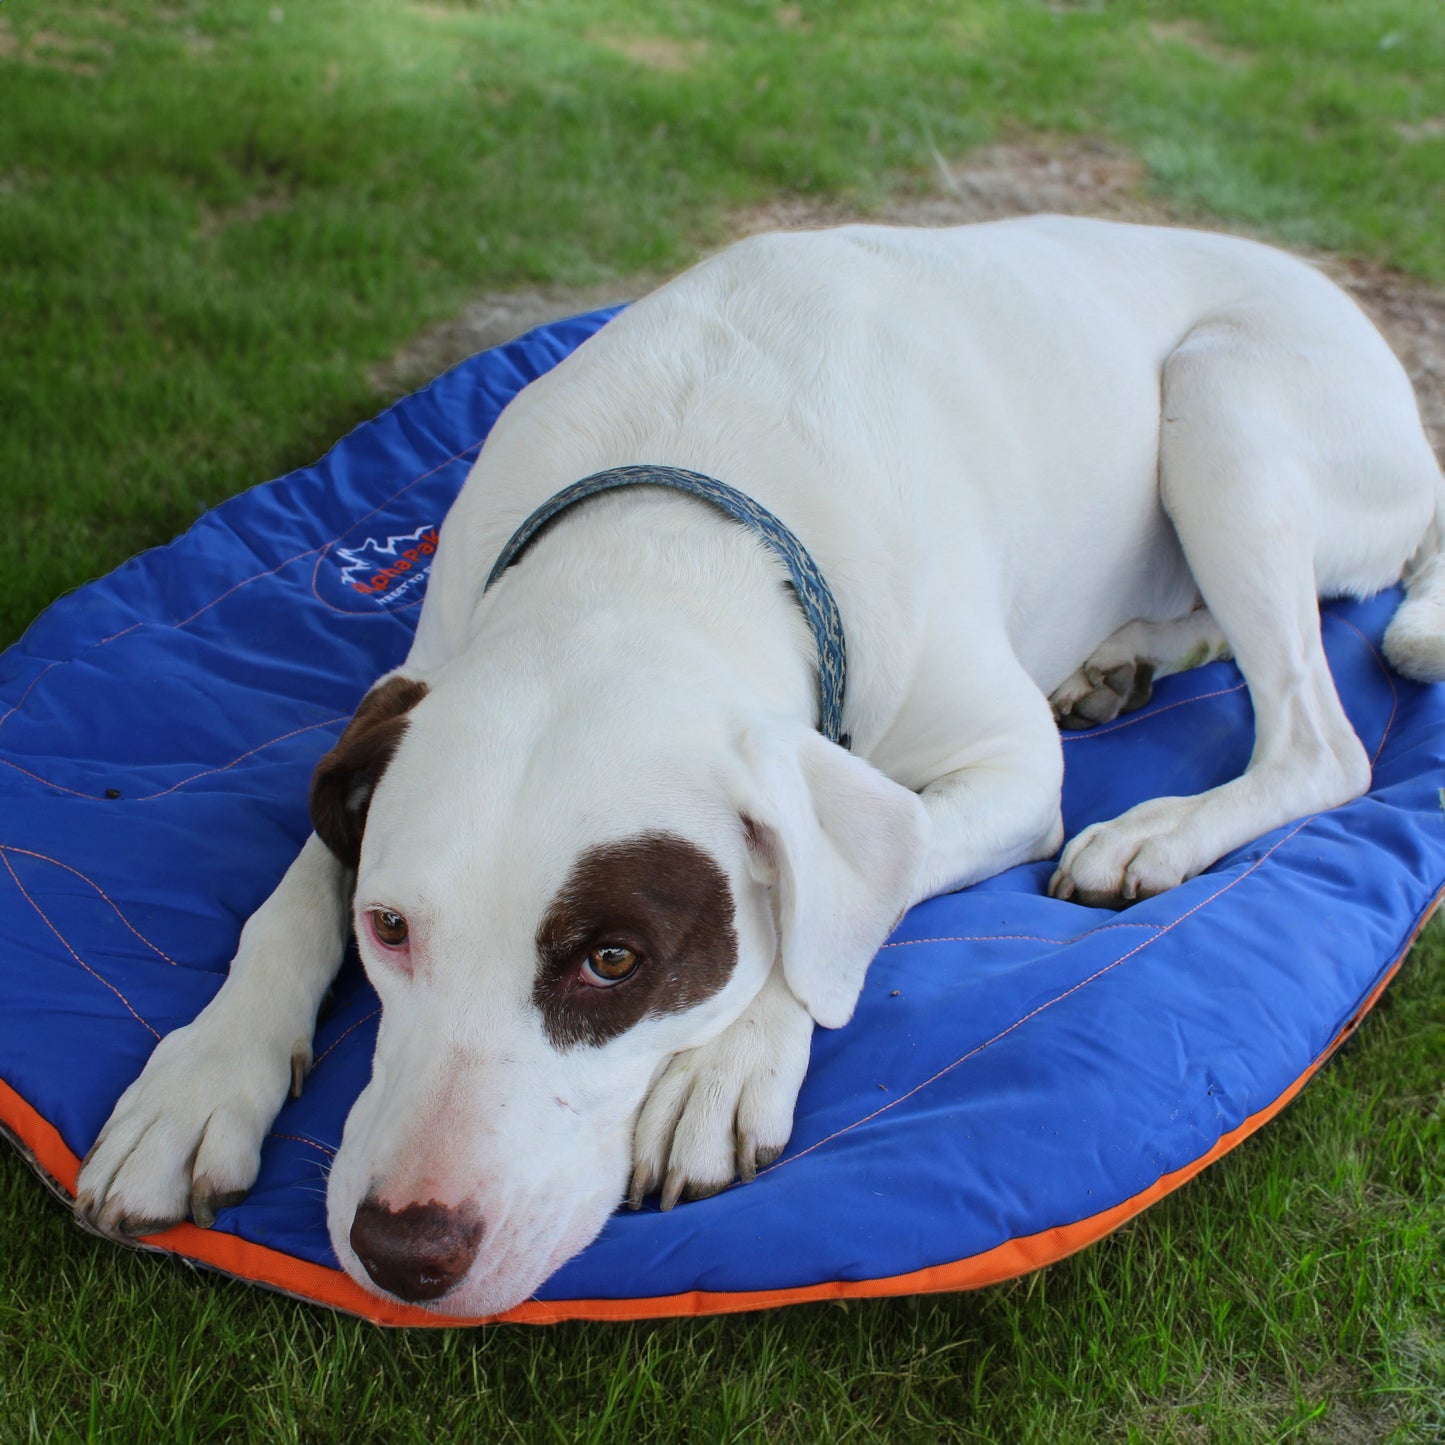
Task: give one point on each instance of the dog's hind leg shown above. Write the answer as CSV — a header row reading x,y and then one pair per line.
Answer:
x,y
185,1138
1415,638
1119,674
1280,470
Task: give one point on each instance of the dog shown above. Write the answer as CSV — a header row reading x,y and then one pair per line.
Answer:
x,y
605,872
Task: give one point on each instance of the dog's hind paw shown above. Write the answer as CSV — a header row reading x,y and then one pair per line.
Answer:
x,y
1098,694
185,1138
725,1110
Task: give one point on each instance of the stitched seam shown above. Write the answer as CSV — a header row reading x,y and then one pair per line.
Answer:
x,y
302,1139
226,767
236,587
59,787
45,858
1043,1007
34,683
321,1056
184,782
1086,734
1017,937
44,917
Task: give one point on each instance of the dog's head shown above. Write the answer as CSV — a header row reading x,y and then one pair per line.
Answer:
x,y
554,895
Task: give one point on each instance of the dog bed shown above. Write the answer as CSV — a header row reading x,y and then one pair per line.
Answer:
x,y
1022,1075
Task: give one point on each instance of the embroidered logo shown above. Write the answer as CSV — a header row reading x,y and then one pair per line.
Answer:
x,y
389,571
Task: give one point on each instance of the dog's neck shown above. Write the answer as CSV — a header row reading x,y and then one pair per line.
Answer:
x,y
662,579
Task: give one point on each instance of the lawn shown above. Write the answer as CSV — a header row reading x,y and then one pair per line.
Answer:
x,y
218,219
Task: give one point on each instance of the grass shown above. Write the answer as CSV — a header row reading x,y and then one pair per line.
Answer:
x,y
216,218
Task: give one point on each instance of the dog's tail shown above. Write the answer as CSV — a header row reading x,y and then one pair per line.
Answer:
x,y
1415,638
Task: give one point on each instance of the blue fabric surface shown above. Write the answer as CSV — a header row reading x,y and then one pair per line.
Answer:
x,y
1016,1063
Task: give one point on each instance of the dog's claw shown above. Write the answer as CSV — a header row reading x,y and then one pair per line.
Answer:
x,y
300,1067
695,1192
752,1157
203,1205
672,1189
640,1187
128,1226
747,1158
205,1201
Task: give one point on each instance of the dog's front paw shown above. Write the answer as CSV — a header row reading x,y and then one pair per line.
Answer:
x,y
724,1110
185,1138
1135,856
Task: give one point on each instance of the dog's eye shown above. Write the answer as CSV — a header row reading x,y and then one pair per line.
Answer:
x,y
389,927
609,964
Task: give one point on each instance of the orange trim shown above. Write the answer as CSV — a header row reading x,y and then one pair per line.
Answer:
x,y
322,1285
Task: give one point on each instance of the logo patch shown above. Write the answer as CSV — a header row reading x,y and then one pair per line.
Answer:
x,y
389,571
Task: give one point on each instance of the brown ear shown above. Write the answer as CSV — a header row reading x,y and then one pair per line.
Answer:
x,y
346,777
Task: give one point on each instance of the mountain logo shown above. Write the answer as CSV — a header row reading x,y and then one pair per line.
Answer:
x,y
389,570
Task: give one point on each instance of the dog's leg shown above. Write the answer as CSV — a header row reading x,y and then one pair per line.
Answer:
x,y
724,1110
1244,429
1120,673
186,1136
995,804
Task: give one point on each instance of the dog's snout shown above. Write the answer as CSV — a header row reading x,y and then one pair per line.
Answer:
x,y
418,1252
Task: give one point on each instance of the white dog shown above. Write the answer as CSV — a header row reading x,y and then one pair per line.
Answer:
x,y
604,871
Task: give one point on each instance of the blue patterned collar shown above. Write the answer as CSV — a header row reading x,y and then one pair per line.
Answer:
x,y
809,587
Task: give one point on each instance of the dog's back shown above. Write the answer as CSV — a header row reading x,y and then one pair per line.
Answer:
x,y
963,419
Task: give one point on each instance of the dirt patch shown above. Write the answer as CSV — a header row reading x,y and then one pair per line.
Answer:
x,y
1024,178
213,221
990,184
491,319
53,51
1431,129
1412,316
1195,36
654,52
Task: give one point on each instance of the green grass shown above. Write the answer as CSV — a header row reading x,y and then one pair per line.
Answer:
x,y
215,216
213,223
1294,1291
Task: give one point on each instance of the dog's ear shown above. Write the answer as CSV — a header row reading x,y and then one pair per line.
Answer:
x,y
841,846
347,776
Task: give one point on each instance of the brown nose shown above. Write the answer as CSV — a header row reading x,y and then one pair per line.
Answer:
x,y
419,1252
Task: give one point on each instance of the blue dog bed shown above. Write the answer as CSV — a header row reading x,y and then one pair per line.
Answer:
x,y
1021,1076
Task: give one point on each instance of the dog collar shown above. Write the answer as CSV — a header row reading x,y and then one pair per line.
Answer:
x,y
812,592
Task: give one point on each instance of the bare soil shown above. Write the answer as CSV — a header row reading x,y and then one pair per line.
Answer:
x,y
1075,178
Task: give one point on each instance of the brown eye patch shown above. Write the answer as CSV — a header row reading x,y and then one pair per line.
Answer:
x,y
657,897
